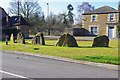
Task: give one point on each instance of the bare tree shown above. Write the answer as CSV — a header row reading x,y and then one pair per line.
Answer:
x,y
64,19
83,8
26,7
67,18
37,22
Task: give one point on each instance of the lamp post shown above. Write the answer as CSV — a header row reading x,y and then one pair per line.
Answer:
x,y
48,18
119,11
47,9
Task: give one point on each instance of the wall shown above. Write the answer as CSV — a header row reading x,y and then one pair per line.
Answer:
x,y
102,19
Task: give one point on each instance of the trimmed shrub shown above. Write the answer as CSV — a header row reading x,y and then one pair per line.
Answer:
x,y
11,31
20,38
67,40
81,32
101,41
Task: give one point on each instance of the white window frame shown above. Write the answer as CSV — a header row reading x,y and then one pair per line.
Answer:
x,y
93,32
94,19
109,16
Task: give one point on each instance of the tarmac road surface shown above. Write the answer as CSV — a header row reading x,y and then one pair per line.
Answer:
x,y
25,66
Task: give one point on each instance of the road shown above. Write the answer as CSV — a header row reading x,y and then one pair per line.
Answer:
x,y
26,66
77,38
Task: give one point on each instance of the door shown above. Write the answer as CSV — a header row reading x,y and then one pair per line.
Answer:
x,y
111,32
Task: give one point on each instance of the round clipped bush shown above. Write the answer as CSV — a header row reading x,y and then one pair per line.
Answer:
x,y
101,41
20,38
67,40
80,32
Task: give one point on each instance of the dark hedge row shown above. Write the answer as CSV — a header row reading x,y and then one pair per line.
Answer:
x,y
11,31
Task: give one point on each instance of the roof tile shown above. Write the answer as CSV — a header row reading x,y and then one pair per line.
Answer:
x,y
103,9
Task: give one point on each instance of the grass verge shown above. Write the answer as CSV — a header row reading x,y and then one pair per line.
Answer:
x,y
83,52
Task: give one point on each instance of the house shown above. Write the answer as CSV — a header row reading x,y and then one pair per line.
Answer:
x,y
101,21
12,25
20,24
3,15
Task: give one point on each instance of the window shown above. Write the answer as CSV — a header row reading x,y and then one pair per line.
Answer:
x,y
94,30
111,16
94,18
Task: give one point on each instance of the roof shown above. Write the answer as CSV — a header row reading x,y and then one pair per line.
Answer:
x,y
12,21
15,20
2,13
102,10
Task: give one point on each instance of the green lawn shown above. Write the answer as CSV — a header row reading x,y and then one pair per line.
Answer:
x,y
83,52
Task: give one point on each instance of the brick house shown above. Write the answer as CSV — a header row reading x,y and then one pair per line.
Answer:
x,y
20,24
101,21
3,26
9,25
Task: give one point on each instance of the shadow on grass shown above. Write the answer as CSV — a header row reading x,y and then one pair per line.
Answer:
x,y
49,45
68,47
92,47
35,48
86,47
28,43
78,46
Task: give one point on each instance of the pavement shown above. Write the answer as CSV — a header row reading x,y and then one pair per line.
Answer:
x,y
21,65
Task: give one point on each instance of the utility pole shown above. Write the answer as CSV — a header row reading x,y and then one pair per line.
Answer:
x,y
18,8
18,16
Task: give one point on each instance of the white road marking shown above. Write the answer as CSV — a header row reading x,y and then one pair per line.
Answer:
x,y
12,74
